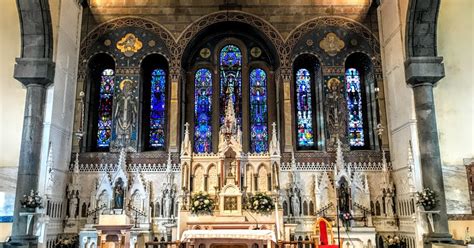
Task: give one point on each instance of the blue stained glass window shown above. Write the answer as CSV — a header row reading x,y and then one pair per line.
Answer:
x,y
202,111
258,111
354,107
106,94
231,80
158,109
304,112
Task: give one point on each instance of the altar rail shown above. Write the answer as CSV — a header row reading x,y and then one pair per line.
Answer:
x,y
164,244
298,244
280,244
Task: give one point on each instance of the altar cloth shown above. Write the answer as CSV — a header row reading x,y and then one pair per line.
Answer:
x,y
229,234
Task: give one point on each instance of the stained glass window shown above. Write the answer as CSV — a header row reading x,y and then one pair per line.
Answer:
x,y
231,80
106,94
202,111
354,107
304,112
258,111
157,109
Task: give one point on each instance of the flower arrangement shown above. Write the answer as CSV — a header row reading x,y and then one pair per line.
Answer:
x,y
393,242
66,242
201,203
32,201
427,198
346,218
260,203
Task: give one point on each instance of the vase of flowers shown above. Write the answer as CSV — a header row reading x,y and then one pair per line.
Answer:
x,y
31,202
66,242
201,203
427,198
393,242
346,218
260,203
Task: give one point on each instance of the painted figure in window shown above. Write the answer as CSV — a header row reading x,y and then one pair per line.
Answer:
x,y
202,111
104,124
304,113
158,109
231,80
258,111
125,113
354,108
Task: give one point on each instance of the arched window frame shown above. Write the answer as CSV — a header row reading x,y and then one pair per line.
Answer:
x,y
363,64
208,72
311,63
213,64
265,123
96,66
148,65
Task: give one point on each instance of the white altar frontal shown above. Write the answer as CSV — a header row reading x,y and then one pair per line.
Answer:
x,y
129,205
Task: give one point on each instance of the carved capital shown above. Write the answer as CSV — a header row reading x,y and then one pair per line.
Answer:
x,y
38,71
423,70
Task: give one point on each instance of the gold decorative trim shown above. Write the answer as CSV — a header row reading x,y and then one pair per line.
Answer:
x,y
331,44
129,45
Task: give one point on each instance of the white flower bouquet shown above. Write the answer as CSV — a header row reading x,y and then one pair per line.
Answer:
x,y
201,203
260,203
31,201
427,198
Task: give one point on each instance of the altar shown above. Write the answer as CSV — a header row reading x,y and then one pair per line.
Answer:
x,y
229,238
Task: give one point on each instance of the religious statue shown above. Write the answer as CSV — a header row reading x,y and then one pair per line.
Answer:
x,y
343,195
125,113
167,204
118,194
295,205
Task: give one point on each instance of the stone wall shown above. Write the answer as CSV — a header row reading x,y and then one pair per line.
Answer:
x,y
454,100
175,16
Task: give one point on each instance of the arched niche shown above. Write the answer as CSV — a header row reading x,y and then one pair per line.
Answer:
x,y
360,85
100,86
203,52
154,94
308,103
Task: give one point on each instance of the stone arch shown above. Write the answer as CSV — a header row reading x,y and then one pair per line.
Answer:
x,y
338,21
127,21
269,31
36,40
422,19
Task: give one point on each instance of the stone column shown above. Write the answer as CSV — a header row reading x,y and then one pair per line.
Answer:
x,y
35,75
174,115
287,114
422,73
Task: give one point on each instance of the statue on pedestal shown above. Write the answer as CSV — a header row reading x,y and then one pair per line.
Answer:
x,y
118,194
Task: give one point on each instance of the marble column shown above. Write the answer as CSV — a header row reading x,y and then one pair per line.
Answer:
x,y
422,73
35,75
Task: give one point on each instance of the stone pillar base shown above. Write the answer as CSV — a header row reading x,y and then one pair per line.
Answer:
x,y
431,238
23,241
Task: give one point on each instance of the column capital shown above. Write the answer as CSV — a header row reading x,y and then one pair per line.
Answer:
x,y
38,71
423,70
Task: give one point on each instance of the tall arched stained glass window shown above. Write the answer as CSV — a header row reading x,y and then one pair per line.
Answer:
x,y
231,80
354,107
304,112
157,109
258,111
106,94
202,111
